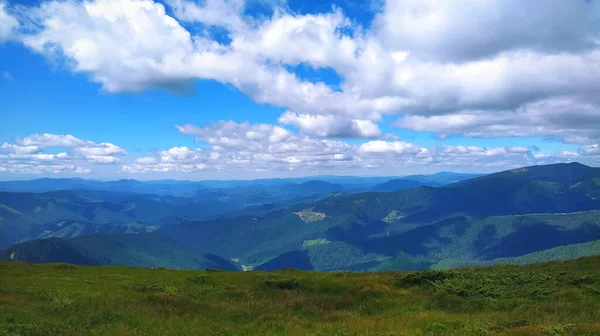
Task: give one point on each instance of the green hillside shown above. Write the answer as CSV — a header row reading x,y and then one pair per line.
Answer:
x,y
557,298
31,215
144,250
28,215
503,215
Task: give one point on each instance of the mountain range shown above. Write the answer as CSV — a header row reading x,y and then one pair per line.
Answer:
x,y
421,222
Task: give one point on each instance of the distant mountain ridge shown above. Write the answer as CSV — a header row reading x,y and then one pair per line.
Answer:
x,y
501,217
183,188
40,208
398,184
420,224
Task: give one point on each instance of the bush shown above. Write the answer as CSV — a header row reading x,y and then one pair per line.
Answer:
x,y
104,318
511,324
583,280
154,287
425,278
62,303
198,279
440,328
65,266
282,283
556,329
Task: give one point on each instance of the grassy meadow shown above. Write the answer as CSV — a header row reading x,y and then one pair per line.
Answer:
x,y
555,298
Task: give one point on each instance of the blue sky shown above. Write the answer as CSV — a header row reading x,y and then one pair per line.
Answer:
x,y
249,89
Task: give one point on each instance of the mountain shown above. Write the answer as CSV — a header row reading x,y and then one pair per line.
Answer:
x,y
163,188
285,193
321,187
149,250
71,228
480,219
23,215
397,184
441,178
52,250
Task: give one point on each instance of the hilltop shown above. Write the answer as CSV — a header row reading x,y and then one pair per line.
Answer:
x,y
558,298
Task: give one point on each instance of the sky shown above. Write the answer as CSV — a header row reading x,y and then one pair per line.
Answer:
x,y
242,89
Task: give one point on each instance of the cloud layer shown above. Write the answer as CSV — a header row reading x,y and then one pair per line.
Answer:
x,y
419,59
510,69
246,147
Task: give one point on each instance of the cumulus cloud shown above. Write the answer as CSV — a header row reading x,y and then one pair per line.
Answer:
x,y
52,140
26,155
421,59
590,150
565,118
221,13
399,147
8,24
509,70
458,32
16,149
247,147
331,126
102,149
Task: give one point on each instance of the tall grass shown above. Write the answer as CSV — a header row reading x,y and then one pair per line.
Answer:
x,y
558,298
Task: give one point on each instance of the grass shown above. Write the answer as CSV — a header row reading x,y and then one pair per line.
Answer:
x,y
556,298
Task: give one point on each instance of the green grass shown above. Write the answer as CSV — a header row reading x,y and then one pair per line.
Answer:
x,y
557,298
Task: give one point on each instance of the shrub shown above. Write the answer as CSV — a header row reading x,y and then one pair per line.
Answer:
x,y
511,324
282,283
556,329
440,328
104,318
62,303
425,278
583,280
65,266
198,279
154,287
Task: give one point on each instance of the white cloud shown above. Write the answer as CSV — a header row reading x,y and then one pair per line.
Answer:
x,y
145,160
251,148
52,140
380,146
7,75
179,154
590,150
451,31
564,118
11,148
20,168
27,154
102,149
496,74
102,159
429,64
331,126
8,24
229,134
222,13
